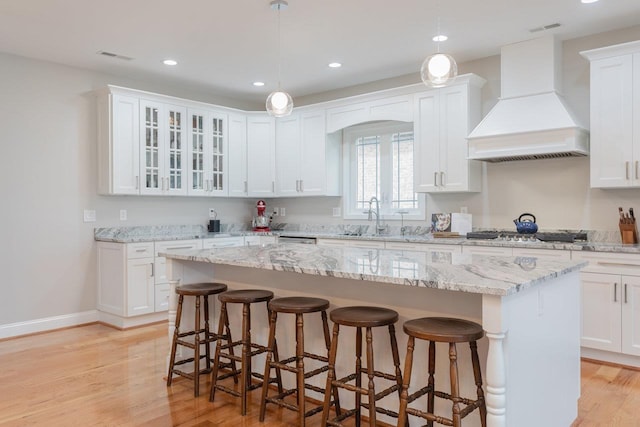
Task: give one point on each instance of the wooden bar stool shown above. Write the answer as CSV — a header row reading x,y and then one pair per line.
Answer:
x,y
298,306
446,330
197,290
368,318
249,348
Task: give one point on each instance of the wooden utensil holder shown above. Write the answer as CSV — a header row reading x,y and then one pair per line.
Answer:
x,y
628,231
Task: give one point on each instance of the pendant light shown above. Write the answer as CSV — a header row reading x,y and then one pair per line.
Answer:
x,y
279,103
438,69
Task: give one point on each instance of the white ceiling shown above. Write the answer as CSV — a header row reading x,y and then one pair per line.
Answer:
x,y
223,46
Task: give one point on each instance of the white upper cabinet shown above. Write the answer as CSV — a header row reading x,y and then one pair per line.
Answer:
x,y
397,108
163,148
119,142
442,120
307,161
261,162
615,116
207,153
237,161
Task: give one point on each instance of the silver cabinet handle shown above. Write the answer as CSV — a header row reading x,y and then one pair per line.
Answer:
x,y
435,179
626,166
153,270
137,182
297,185
625,293
636,169
141,250
301,186
206,185
615,292
273,186
179,247
442,179
246,187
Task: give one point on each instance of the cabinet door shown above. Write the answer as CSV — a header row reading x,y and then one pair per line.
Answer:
x,y
453,151
261,174
237,162
611,154
140,286
124,160
636,119
426,166
197,135
313,161
161,262
217,156
175,153
288,146
631,315
222,242
601,320
151,147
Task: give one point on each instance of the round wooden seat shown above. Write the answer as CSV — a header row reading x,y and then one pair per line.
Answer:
x,y
298,305
364,316
201,289
443,329
245,296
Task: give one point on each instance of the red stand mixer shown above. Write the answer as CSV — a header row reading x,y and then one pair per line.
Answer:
x,y
260,222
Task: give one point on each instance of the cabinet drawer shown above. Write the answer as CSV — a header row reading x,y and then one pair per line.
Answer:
x,y
610,263
222,242
486,250
176,245
139,250
162,297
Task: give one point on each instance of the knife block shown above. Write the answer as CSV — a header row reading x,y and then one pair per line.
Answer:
x,y
628,231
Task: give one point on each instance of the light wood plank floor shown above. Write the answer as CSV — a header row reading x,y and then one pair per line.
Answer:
x,y
95,375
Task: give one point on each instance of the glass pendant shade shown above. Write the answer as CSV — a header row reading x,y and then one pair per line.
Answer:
x,y
439,70
279,104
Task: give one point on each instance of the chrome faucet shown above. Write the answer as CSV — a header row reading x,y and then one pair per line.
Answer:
x,y
371,212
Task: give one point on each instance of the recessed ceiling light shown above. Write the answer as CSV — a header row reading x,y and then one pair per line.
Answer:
x,y
170,62
335,65
440,38
588,1
258,84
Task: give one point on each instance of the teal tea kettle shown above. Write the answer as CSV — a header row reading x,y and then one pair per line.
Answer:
x,y
526,225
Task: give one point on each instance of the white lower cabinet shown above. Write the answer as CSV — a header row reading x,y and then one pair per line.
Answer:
x,y
611,303
222,242
125,280
161,289
487,250
341,243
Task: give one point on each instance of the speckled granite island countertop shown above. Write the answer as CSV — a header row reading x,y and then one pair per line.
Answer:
x,y
438,270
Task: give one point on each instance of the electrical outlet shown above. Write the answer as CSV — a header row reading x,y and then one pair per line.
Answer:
x,y
89,215
212,213
275,211
336,211
283,212
464,209
123,214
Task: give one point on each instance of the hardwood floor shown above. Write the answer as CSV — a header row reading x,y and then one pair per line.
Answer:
x,y
95,375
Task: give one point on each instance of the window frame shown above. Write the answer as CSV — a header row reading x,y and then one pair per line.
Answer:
x,y
349,136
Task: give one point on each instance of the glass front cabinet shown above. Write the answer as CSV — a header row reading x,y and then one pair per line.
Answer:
x,y
207,153
163,149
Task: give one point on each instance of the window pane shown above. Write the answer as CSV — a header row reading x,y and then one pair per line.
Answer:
x,y
402,164
367,170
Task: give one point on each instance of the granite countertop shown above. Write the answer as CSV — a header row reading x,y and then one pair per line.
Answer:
x,y
438,270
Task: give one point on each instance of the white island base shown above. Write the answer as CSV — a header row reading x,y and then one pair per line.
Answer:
x,y
531,368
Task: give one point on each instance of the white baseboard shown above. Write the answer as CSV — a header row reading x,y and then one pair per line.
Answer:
x,y
610,357
47,324
131,322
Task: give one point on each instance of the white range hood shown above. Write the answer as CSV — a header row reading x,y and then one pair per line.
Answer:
x,y
531,119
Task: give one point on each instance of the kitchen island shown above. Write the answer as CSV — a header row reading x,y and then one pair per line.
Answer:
x,y
528,307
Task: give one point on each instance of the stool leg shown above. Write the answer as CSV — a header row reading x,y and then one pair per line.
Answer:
x,y
358,374
327,343
478,377
196,350
455,392
216,358
229,342
432,383
330,375
174,343
207,333
370,374
396,358
300,368
245,377
403,418
267,365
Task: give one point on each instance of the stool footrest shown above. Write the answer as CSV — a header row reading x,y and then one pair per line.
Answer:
x,y
429,417
345,414
379,410
227,390
189,375
189,360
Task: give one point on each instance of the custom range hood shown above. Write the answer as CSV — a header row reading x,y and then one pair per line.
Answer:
x,y
531,119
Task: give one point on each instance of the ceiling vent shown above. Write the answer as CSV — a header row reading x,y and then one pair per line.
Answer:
x,y
114,55
531,119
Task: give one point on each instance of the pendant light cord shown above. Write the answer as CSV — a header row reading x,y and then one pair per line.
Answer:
x,y
279,47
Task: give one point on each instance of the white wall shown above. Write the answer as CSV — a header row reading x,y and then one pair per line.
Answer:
x,y
48,176
48,163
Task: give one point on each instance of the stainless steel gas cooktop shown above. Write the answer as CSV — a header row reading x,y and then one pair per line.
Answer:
x,y
512,236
